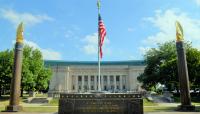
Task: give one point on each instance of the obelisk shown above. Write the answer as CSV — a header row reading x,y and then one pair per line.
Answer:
x,y
183,72
16,79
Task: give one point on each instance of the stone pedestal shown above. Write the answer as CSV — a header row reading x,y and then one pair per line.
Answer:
x,y
14,108
100,103
183,78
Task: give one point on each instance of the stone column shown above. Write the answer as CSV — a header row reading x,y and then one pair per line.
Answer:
x,y
95,82
183,78
76,83
108,82
115,82
127,82
102,86
65,83
82,86
16,80
120,82
69,80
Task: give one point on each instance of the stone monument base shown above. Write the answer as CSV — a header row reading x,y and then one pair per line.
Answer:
x,y
13,108
100,103
186,108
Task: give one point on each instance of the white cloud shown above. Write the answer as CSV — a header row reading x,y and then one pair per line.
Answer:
x,y
197,2
91,44
28,18
165,22
48,54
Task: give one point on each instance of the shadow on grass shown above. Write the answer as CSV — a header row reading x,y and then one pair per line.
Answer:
x,y
4,98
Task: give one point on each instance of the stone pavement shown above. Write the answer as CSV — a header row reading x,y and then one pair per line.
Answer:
x,y
144,113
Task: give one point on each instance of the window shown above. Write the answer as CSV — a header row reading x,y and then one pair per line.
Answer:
x,y
85,78
92,78
79,78
112,87
85,87
117,78
105,87
73,87
117,87
124,87
105,78
111,78
92,87
79,87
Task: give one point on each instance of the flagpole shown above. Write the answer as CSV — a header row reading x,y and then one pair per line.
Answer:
x,y
99,61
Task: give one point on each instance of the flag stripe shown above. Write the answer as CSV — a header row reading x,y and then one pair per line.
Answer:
x,y
102,34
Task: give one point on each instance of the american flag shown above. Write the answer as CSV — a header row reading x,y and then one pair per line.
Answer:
x,y
102,34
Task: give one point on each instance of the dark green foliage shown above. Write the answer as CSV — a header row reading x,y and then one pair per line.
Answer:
x,y
6,65
162,66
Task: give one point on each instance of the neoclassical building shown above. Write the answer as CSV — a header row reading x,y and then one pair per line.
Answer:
x,y
82,76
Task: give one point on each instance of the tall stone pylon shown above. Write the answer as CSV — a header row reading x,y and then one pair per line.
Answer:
x,y
183,72
16,79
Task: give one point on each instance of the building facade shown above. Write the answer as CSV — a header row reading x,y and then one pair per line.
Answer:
x,y
116,76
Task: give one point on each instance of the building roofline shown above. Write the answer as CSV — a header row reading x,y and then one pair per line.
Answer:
x,y
67,63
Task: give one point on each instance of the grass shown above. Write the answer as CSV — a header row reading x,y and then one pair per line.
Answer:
x,y
149,103
40,109
159,109
53,102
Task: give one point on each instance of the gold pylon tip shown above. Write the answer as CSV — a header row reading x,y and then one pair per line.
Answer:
x,y
19,35
179,32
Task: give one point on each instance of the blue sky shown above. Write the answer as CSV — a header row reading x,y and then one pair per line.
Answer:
x,y
67,29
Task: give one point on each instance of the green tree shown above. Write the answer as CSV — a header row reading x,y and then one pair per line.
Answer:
x,y
6,61
162,66
35,76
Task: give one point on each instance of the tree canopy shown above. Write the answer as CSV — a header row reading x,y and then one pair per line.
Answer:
x,y
6,65
35,76
161,66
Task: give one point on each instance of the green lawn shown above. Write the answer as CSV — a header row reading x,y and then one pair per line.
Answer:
x,y
149,103
159,109
54,102
40,109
